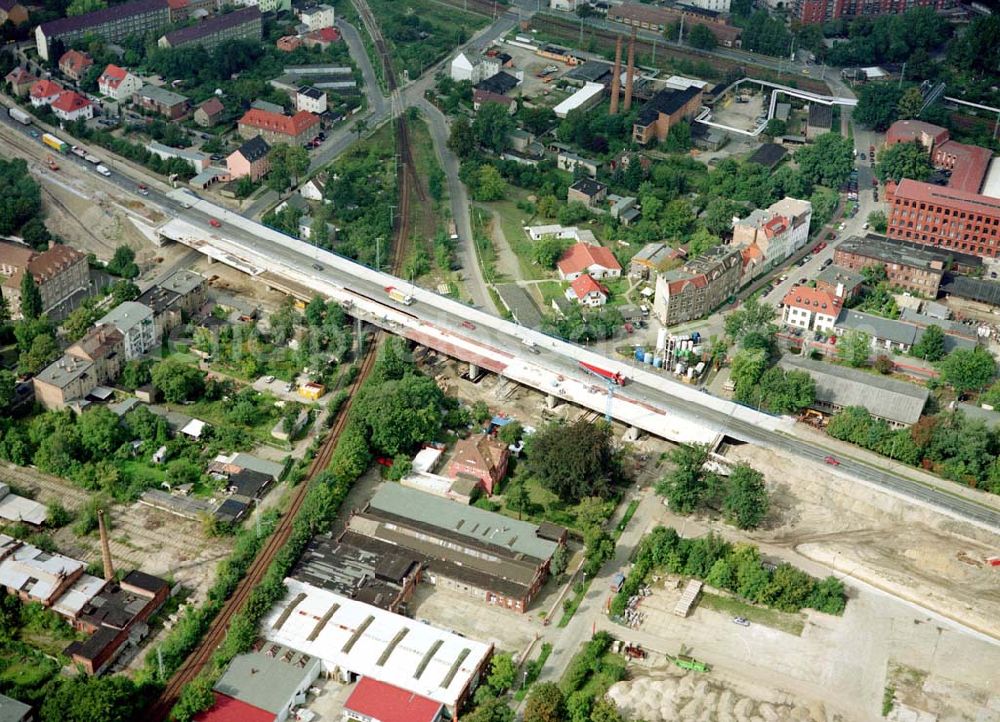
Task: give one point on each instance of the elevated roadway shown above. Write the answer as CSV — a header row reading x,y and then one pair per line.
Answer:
x,y
650,402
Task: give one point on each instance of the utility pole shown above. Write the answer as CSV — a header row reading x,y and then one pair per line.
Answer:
x,y
901,74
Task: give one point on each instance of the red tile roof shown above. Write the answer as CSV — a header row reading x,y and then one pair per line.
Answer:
x,y
227,709
287,125
327,35
582,256
19,76
775,226
74,61
70,101
814,300
45,89
487,96
585,284
112,76
680,286
946,197
909,131
386,703
212,106
969,166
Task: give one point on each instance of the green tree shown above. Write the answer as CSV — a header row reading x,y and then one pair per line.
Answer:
x,y
968,369
784,392
854,348
491,126
878,222
559,561
502,673
549,249
114,698
753,318
828,161
574,461
79,322
492,710
177,381
122,291
122,263
399,414
719,214
101,432
904,160
910,104
511,433
877,105
930,347
747,368
135,374
775,127
43,351
58,516
490,185
31,298
196,696
461,139
545,704
315,311
746,501
361,127
604,710
686,484
702,38
79,7
518,498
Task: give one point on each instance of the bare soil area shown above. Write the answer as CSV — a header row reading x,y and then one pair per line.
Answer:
x,y
909,550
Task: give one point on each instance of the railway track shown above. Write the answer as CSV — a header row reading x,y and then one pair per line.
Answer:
x,y
407,181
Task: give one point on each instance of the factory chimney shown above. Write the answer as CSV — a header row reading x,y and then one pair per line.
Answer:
x,y
109,569
630,72
616,78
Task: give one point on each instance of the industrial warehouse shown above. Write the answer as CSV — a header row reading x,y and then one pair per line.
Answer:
x,y
476,552
353,639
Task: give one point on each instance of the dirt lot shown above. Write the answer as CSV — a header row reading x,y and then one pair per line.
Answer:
x,y
141,537
532,64
740,115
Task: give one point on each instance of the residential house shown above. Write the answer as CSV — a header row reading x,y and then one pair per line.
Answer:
x,y
137,324
275,128
14,257
819,121
209,113
588,191
65,380
118,83
44,92
70,106
111,24
479,97
314,189
482,458
59,272
473,67
167,103
899,403
832,278
13,12
500,83
697,287
585,291
581,258
318,17
20,81
74,64
174,299
811,309
777,231
665,110
322,38
569,162
289,43
242,24
103,346
249,160
310,99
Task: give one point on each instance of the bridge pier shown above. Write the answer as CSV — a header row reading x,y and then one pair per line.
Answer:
x,y
632,433
473,370
551,401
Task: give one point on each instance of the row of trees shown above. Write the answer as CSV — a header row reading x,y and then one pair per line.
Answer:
x,y
735,568
741,495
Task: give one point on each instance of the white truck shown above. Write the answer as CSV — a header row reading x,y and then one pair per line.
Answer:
x,y
103,170
20,116
91,159
396,295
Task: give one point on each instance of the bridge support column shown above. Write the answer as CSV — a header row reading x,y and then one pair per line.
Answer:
x,y
473,370
632,434
551,401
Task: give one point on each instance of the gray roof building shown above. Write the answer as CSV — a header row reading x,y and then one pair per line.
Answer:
x,y
269,679
13,711
244,23
768,155
833,275
889,333
820,116
161,96
63,372
520,305
972,289
592,71
183,282
989,417
837,387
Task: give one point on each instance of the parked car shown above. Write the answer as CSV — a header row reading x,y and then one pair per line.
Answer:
x,y
318,267
803,281
214,223
742,621
862,156
827,262
469,325
831,461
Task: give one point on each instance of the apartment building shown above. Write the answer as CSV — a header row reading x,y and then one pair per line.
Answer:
x,y
657,18
118,83
907,265
59,272
811,309
700,285
110,24
242,24
277,128
820,11
136,321
777,231
167,103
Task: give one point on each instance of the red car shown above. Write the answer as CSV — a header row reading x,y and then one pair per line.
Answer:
x,y
469,325
214,223
819,247
831,461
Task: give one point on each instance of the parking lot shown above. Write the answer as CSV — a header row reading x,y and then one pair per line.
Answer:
x,y
743,116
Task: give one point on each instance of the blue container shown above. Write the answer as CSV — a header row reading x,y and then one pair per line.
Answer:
x,y
648,358
640,354
658,362
695,336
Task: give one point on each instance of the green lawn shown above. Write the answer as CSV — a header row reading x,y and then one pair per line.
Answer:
x,y
551,290
512,221
793,623
143,473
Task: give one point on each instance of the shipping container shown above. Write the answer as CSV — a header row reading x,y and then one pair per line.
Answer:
x,y
52,142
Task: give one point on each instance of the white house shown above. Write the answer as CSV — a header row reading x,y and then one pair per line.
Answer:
x,y
312,190
474,68
718,6
319,17
812,309
118,83
70,106
44,92
568,6
777,231
587,292
310,99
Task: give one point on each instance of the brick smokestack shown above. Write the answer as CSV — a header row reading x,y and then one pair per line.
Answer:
x,y
630,72
109,569
616,78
